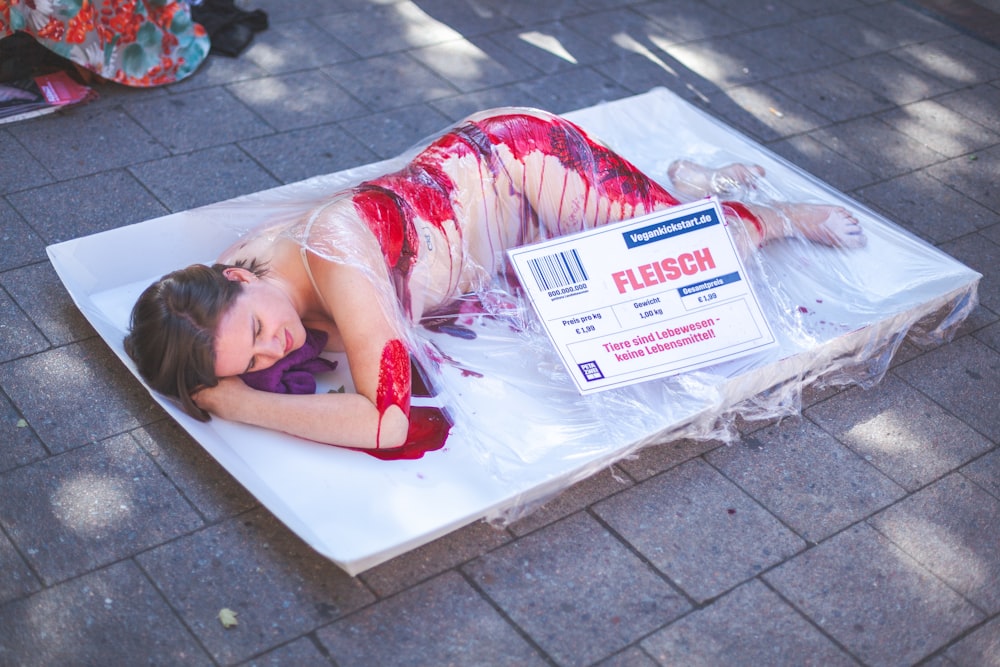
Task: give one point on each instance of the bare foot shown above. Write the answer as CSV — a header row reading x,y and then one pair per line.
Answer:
x,y
833,226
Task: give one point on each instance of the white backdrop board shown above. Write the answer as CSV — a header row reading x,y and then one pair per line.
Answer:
x,y
522,432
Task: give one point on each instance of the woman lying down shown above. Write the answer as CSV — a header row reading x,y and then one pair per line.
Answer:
x,y
369,262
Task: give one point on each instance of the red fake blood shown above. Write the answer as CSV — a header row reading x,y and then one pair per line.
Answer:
x,y
429,426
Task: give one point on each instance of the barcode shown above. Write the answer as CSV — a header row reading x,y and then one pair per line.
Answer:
x,y
558,270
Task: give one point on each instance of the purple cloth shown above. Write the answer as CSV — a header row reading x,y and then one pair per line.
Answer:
x,y
294,373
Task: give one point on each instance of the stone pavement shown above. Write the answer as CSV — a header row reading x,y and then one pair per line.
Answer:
x,y
865,532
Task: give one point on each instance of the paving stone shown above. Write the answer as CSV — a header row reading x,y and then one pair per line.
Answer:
x,y
469,66
194,121
617,33
902,23
29,173
18,443
699,529
43,297
748,626
70,209
108,617
979,253
300,653
638,72
865,593
195,179
880,148
899,431
890,77
823,162
945,131
219,70
630,657
758,12
725,62
978,103
21,244
68,146
549,47
691,20
466,18
831,94
441,622
578,89
205,483
952,528
985,471
961,377
764,112
376,31
278,586
654,459
18,335
299,99
279,11
294,46
580,594
84,509
16,578
774,43
76,394
389,134
947,61
850,35
390,81
946,216
300,154
973,175
598,486
979,648
457,107
434,558
806,478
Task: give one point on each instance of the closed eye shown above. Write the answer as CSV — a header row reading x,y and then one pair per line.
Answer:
x,y
256,335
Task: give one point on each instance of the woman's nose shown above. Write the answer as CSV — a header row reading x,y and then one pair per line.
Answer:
x,y
273,348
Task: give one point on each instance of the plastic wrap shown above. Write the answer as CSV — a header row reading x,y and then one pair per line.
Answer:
x,y
521,431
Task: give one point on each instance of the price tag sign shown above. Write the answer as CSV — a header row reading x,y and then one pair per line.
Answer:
x,y
644,298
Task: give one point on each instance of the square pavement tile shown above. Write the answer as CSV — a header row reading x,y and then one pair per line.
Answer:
x,y
391,133
580,88
873,599
390,81
441,622
963,378
824,162
978,103
549,47
375,31
74,208
899,431
814,484
299,653
831,94
578,592
890,77
979,252
985,472
42,296
882,149
295,45
16,578
18,443
216,174
296,100
654,459
935,125
19,336
83,509
109,617
699,529
902,23
598,486
981,647
87,140
206,485
470,66
300,154
277,585
764,112
973,175
946,216
76,394
21,244
748,626
434,558
952,528
29,173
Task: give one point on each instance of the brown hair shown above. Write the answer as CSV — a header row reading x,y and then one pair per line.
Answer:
x,y
171,335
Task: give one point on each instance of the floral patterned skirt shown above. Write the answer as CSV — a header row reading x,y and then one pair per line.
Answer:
x,y
133,42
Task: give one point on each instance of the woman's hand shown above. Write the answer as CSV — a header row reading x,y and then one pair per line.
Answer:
x,y
223,399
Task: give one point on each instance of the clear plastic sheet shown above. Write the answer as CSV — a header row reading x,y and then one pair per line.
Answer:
x,y
521,431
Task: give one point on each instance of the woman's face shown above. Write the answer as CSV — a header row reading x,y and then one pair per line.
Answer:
x,y
260,327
